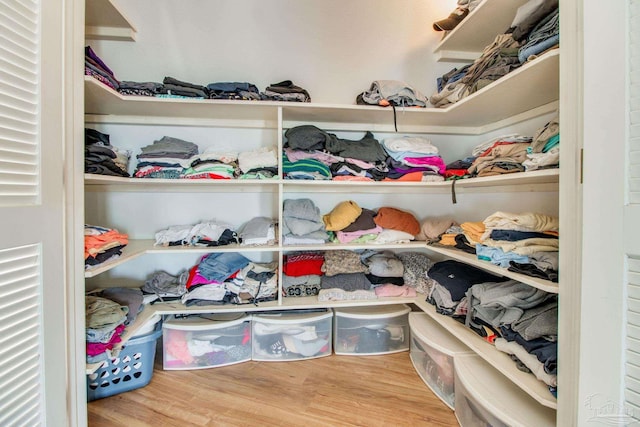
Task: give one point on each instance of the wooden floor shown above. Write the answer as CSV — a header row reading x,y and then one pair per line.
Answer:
x,y
329,391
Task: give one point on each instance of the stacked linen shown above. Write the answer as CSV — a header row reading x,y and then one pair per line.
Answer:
x,y
212,164
524,323
96,68
503,156
545,147
311,153
166,158
233,90
102,244
301,274
164,286
140,88
302,223
175,88
398,226
344,277
206,233
362,229
229,278
450,281
413,158
544,35
285,90
102,158
526,243
258,231
261,163
386,274
105,322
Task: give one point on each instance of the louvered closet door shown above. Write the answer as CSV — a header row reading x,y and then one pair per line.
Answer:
x,y
632,220
32,320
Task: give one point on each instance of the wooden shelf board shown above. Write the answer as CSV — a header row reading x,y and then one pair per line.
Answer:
x,y
477,30
499,360
470,259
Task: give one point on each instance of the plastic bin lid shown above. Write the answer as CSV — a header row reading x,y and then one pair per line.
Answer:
x,y
291,318
500,396
196,323
372,312
429,331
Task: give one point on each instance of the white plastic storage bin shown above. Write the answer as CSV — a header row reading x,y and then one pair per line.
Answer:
x,y
371,330
291,336
432,354
485,397
206,342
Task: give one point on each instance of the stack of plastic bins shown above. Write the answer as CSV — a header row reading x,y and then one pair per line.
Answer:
x,y
433,352
371,330
206,341
485,397
286,336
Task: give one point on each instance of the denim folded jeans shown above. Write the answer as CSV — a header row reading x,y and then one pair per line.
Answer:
x,y
219,266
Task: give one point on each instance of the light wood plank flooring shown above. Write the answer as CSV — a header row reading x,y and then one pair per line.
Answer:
x,y
330,391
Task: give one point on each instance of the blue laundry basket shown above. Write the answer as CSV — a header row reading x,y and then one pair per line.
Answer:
x,y
132,369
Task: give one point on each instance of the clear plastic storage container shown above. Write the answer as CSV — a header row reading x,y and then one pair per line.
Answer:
x,y
371,330
432,354
291,336
206,342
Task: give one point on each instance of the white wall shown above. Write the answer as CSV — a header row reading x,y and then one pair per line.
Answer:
x,y
332,48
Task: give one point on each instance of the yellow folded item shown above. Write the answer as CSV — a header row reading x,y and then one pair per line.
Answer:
x,y
448,239
342,215
473,231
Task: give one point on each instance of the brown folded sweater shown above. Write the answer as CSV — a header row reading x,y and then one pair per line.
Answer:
x,y
396,219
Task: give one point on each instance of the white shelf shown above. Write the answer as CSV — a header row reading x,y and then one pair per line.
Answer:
x,y
117,183
105,21
499,360
468,39
354,246
524,181
288,303
540,180
527,92
137,248
471,259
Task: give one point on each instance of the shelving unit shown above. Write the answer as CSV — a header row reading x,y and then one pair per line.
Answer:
x,y
466,42
524,94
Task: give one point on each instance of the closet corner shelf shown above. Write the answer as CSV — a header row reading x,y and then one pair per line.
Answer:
x,y
116,183
105,21
500,361
468,39
544,285
136,248
297,303
529,91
